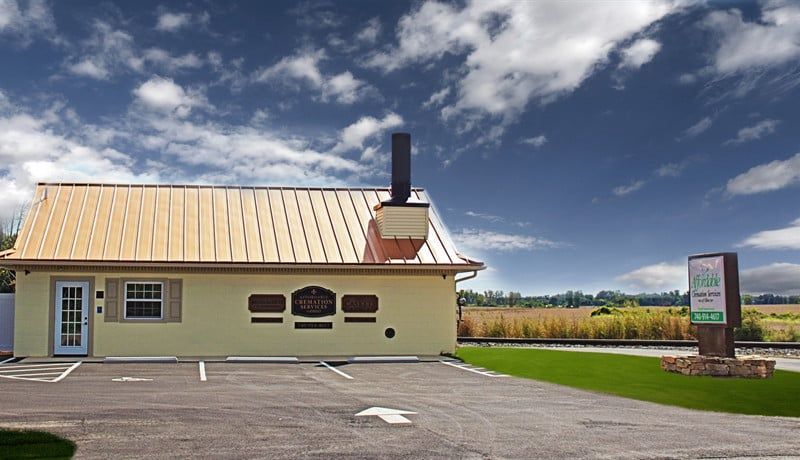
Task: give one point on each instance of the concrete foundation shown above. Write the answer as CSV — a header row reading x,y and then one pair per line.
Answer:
x,y
744,366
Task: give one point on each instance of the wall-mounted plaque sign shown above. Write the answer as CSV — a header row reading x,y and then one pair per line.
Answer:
x,y
266,303
359,303
313,325
313,301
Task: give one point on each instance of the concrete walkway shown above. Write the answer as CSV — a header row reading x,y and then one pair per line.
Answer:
x,y
786,364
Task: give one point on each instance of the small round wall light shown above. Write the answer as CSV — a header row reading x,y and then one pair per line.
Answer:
x,y
389,333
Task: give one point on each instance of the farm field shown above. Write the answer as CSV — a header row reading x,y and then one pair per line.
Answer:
x,y
760,322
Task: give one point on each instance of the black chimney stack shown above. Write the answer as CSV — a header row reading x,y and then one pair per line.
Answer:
x,y
401,167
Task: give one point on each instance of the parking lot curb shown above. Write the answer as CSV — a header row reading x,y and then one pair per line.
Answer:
x,y
263,359
140,359
382,359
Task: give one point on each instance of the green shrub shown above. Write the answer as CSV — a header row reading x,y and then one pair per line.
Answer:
x,y
751,328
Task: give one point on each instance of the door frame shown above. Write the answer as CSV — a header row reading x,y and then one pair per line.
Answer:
x,y
52,315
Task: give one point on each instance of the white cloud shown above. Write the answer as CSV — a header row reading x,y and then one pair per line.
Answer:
x,y
481,240
698,128
223,153
89,68
111,51
371,31
671,169
516,52
436,98
658,277
783,238
639,53
107,51
484,216
355,135
172,22
344,88
536,142
27,20
167,61
164,94
623,190
755,132
745,46
777,278
766,177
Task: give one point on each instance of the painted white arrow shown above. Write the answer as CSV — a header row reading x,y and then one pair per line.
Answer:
x,y
392,416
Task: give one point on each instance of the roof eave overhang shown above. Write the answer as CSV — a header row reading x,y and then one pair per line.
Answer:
x,y
65,265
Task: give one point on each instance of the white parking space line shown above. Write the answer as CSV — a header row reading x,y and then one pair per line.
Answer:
x,y
336,370
67,372
475,370
51,372
202,367
7,360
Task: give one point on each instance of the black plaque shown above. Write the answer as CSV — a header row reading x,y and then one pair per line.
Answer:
x,y
359,303
359,319
259,319
313,301
313,325
267,303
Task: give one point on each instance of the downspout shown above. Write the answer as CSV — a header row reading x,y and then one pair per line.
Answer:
x,y
458,301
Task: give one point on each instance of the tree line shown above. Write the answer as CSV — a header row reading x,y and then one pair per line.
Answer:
x,y
575,299
9,228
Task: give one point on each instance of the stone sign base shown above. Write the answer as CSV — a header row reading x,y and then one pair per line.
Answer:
x,y
744,366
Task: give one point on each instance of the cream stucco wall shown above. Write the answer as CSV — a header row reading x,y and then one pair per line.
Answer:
x,y
216,321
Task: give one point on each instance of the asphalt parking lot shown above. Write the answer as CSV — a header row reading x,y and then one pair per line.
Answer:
x,y
309,410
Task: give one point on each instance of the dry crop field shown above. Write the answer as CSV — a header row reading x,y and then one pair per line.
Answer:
x,y
651,323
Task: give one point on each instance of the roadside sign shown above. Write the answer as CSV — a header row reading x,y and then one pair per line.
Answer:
x,y
714,289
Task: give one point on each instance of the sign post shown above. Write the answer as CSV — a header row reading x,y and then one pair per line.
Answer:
x,y
714,303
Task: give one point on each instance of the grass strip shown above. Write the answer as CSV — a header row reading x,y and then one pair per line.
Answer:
x,y
34,444
641,378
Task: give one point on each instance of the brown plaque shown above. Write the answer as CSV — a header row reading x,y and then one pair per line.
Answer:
x,y
358,319
266,320
313,325
359,303
267,303
313,301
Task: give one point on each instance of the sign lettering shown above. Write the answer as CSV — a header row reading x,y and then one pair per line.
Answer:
x,y
707,303
266,303
313,301
359,303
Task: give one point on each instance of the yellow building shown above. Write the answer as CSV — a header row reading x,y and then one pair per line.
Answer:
x,y
197,270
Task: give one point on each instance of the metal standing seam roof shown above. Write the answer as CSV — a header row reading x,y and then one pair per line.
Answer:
x,y
220,225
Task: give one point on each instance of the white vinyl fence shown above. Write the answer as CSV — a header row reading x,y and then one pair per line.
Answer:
x,y
6,322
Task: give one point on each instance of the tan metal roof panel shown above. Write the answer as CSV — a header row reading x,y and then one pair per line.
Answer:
x,y
220,225
80,244
315,247
252,233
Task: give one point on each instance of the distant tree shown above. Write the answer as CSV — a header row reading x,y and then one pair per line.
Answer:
x,y
9,228
514,298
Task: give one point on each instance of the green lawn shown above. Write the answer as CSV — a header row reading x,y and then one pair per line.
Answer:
x,y
34,444
642,378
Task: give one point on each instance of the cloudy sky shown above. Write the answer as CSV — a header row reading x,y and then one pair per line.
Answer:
x,y
569,145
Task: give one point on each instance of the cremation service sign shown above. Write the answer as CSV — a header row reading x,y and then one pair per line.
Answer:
x,y
707,290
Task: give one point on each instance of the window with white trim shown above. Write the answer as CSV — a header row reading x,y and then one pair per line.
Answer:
x,y
144,300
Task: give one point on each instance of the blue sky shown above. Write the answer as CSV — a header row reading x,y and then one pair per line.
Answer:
x,y
569,145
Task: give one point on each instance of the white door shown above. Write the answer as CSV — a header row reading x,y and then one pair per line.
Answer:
x,y
72,318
